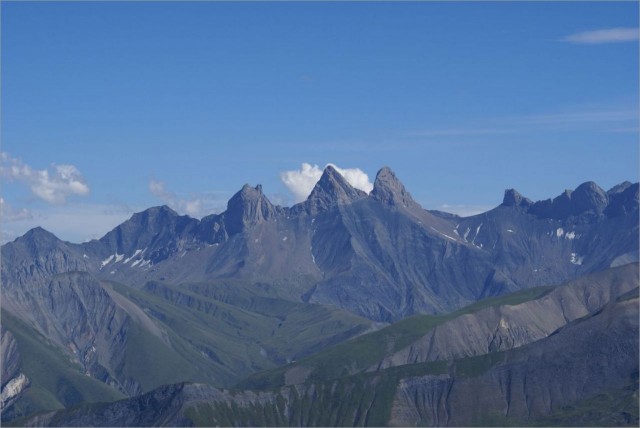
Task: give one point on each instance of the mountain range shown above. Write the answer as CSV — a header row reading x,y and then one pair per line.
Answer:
x,y
346,292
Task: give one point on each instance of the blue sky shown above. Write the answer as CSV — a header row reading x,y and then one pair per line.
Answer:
x,y
109,108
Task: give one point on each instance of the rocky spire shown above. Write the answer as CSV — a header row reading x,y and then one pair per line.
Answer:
x,y
514,199
247,207
388,190
332,189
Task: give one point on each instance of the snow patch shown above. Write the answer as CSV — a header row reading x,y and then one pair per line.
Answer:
x,y
466,234
570,235
284,239
575,259
85,256
510,231
134,256
14,387
476,235
119,257
106,261
443,234
559,232
134,264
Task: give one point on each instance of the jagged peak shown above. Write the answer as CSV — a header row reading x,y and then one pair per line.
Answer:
x,y
248,206
619,188
333,187
388,190
248,191
512,198
588,197
247,195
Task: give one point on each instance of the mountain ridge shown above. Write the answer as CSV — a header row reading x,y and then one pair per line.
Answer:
x,y
325,248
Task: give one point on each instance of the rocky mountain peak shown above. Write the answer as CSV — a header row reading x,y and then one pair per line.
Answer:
x,y
39,233
39,238
248,206
619,188
589,197
154,214
332,189
512,198
388,190
623,199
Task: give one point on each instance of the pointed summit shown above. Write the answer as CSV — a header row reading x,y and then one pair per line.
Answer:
x,y
388,190
39,236
248,206
37,241
154,213
332,189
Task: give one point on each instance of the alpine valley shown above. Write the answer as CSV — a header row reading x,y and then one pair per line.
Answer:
x,y
346,309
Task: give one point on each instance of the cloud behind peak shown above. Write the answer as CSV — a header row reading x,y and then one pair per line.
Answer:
x,y
300,182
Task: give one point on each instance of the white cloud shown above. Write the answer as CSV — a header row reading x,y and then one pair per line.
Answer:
x,y
194,206
53,185
607,35
8,213
464,210
301,182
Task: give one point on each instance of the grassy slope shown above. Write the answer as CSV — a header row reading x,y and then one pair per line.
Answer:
x,y
209,341
56,382
222,342
360,353
342,401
